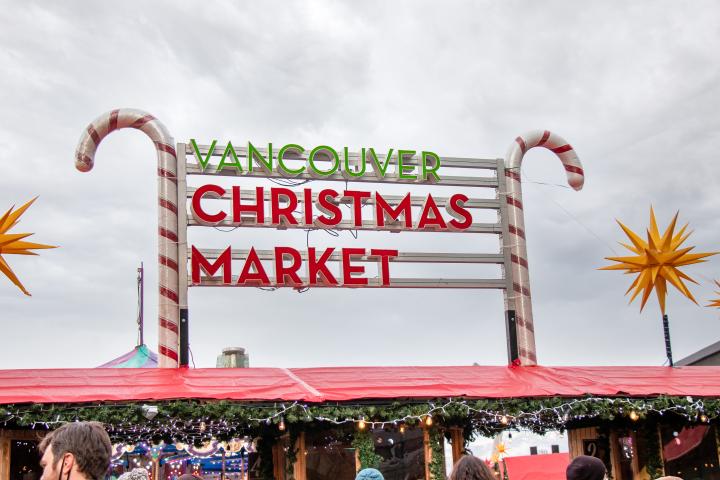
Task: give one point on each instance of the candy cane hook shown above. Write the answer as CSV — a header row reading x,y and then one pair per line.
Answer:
x,y
168,309
515,238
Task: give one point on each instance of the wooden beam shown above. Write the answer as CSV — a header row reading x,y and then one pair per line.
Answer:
x,y
457,442
614,455
300,467
4,458
32,435
279,458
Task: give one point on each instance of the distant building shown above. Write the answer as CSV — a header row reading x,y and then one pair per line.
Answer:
x,y
709,355
233,357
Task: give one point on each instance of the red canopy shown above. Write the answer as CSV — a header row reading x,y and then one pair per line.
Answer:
x,y
537,467
351,383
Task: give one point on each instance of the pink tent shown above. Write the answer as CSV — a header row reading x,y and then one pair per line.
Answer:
x,y
537,467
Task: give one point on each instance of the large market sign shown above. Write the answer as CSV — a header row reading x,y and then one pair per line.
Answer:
x,y
285,199
283,207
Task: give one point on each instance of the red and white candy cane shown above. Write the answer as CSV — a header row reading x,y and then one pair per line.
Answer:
x,y
516,228
168,309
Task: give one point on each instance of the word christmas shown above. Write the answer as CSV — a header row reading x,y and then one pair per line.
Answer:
x,y
283,209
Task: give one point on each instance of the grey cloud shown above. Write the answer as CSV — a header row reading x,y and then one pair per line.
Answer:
x,y
632,87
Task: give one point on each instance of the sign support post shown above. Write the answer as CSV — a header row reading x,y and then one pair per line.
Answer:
x,y
184,314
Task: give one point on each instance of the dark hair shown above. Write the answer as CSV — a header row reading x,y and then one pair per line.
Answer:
x,y
471,468
87,441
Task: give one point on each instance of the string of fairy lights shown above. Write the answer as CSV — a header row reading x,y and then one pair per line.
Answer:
x,y
482,415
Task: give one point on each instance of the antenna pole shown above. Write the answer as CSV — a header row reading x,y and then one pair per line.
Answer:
x,y
141,301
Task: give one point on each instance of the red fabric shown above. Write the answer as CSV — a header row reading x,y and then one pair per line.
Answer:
x,y
688,439
352,383
537,467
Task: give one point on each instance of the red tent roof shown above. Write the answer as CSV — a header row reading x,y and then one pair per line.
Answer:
x,y
351,383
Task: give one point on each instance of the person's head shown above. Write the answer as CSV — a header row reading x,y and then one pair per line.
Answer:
x,y
80,449
471,468
369,474
586,468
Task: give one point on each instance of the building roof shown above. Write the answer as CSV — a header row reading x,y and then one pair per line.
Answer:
x,y
700,355
337,384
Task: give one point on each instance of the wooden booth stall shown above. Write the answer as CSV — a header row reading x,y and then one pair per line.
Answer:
x,y
327,423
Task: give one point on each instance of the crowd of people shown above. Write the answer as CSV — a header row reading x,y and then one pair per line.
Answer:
x,y
82,451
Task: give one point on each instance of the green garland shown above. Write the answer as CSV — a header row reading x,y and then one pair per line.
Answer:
x,y
363,443
197,421
654,465
437,464
292,452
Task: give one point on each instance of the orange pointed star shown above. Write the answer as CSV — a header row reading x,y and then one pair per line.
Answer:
x,y
657,261
716,302
13,243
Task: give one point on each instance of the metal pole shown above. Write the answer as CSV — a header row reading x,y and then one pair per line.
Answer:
x,y
184,337
141,307
668,348
511,336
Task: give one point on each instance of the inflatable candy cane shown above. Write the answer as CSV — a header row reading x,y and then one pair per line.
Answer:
x,y
168,309
516,227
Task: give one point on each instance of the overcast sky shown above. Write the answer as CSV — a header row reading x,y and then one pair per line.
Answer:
x,y
634,88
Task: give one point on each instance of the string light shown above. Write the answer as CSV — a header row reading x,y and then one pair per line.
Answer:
x,y
634,416
428,420
537,415
281,425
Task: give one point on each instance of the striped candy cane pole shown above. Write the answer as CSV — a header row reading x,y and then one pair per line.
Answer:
x,y
516,227
168,310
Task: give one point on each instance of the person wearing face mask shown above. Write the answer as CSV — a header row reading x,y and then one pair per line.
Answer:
x,y
76,451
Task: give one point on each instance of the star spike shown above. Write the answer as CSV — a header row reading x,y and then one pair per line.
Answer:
x,y
716,301
14,244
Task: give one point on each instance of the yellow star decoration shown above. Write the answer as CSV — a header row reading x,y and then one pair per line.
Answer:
x,y
12,244
657,261
715,303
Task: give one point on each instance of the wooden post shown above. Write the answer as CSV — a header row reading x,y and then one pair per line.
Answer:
x,y
635,458
278,459
458,443
4,458
660,447
222,472
717,441
300,467
614,454
428,452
